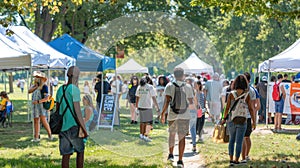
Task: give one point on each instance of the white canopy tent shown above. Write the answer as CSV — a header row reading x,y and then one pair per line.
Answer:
x,y
193,64
286,61
131,66
23,40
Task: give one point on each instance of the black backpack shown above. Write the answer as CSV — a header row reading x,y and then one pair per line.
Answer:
x,y
179,102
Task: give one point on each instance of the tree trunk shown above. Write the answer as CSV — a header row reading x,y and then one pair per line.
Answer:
x,y
11,83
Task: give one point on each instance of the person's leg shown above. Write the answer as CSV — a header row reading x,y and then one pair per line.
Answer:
x,y
192,124
141,128
279,120
232,135
276,121
36,123
46,125
79,159
181,147
172,133
65,161
198,126
132,112
239,137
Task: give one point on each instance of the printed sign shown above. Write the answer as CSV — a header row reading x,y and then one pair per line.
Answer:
x,y
107,110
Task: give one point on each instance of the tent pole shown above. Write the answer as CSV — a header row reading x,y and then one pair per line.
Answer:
x,y
28,104
4,80
267,104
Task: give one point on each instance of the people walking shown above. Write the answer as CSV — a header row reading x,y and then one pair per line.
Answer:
x,y
134,82
213,90
178,118
193,115
237,129
145,97
162,83
98,89
40,94
200,100
73,132
262,88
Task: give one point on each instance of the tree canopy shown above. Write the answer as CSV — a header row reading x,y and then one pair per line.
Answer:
x,y
243,33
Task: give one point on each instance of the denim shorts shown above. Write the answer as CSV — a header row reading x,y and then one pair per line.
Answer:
x,y
279,106
70,142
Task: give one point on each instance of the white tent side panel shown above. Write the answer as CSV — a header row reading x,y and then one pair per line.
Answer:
x,y
15,61
132,67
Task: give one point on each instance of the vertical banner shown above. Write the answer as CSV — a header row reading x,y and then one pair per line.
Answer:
x,y
295,98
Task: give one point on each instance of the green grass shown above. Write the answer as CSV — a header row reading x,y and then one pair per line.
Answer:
x,y
268,150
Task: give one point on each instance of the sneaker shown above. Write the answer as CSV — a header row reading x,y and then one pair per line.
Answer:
x,y
180,164
194,149
141,136
147,139
132,122
35,140
171,158
231,163
247,158
135,122
244,161
236,163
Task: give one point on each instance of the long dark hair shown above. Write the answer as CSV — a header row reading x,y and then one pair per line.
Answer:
x,y
165,81
240,82
200,85
134,78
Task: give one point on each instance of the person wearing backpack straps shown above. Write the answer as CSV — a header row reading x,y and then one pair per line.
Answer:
x,y
178,121
236,129
38,110
279,104
73,131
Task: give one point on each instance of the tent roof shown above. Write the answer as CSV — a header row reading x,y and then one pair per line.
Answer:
x,y
193,64
10,57
42,53
131,66
86,59
286,61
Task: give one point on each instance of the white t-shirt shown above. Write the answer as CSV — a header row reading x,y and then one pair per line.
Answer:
x,y
145,94
170,91
22,83
115,86
86,90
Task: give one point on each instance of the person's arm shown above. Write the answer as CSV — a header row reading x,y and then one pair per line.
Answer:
x,y
226,113
80,119
252,112
155,103
32,88
137,98
88,112
196,101
283,92
258,105
165,107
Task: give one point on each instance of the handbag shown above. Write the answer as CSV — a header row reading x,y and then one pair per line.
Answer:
x,y
199,113
220,134
56,119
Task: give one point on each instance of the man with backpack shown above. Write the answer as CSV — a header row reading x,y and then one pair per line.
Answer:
x,y
180,97
278,96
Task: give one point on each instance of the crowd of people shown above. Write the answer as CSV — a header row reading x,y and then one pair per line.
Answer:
x,y
182,101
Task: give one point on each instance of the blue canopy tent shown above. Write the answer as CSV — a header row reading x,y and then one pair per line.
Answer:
x,y
86,59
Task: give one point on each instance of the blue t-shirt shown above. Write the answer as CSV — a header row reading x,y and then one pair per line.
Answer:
x,y
72,94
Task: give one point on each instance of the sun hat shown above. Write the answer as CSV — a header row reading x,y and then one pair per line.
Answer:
x,y
39,74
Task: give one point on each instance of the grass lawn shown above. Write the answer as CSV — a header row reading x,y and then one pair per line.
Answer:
x,y
122,148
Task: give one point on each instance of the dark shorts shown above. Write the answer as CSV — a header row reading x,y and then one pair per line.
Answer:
x,y
249,128
70,142
179,126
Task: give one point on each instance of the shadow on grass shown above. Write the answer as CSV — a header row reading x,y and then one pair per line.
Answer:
x,y
45,162
257,164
